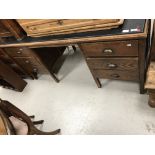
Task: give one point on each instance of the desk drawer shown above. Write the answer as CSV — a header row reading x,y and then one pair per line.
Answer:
x,y
115,48
18,52
29,64
113,63
117,75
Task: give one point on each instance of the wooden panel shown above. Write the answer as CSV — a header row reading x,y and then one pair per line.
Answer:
x,y
151,101
19,52
117,75
18,70
48,56
117,48
113,63
150,80
153,44
53,26
29,64
4,57
4,31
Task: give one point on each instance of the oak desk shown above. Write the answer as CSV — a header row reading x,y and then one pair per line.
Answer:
x,y
119,53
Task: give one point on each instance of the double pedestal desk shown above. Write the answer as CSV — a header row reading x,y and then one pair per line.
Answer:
x,y
119,53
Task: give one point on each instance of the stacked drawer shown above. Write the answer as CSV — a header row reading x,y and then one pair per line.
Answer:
x,y
9,61
27,59
113,60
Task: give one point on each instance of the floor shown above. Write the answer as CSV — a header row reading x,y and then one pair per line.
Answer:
x,y
77,106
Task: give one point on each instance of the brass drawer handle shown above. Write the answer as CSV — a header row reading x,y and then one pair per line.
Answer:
x,y
115,75
112,65
107,51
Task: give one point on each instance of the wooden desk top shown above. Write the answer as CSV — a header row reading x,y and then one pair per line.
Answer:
x,y
131,29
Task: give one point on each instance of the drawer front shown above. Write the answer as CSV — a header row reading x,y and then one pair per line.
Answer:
x,y
117,48
113,63
17,69
29,64
117,75
18,52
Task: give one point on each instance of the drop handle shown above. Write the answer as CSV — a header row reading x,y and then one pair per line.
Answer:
x,y
107,51
112,65
115,75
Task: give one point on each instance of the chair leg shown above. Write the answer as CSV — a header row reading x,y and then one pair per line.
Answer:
x,y
38,122
35,131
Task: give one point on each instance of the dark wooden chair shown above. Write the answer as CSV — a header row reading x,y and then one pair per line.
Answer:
x,y
10,79
10,110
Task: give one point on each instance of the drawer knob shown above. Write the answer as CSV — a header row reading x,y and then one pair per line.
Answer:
x,y
115,76
112,65
27,61
19,52
20,49
35,69
128,45
107,51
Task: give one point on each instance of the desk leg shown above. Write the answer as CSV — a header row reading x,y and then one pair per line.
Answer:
x,y
54,77
97,82
96,79
142,64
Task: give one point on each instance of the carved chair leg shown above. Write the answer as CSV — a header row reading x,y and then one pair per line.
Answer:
x,y
35,131
38,122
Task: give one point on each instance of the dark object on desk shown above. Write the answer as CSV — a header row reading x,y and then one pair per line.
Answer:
x,y
10,110
47,27
10,79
